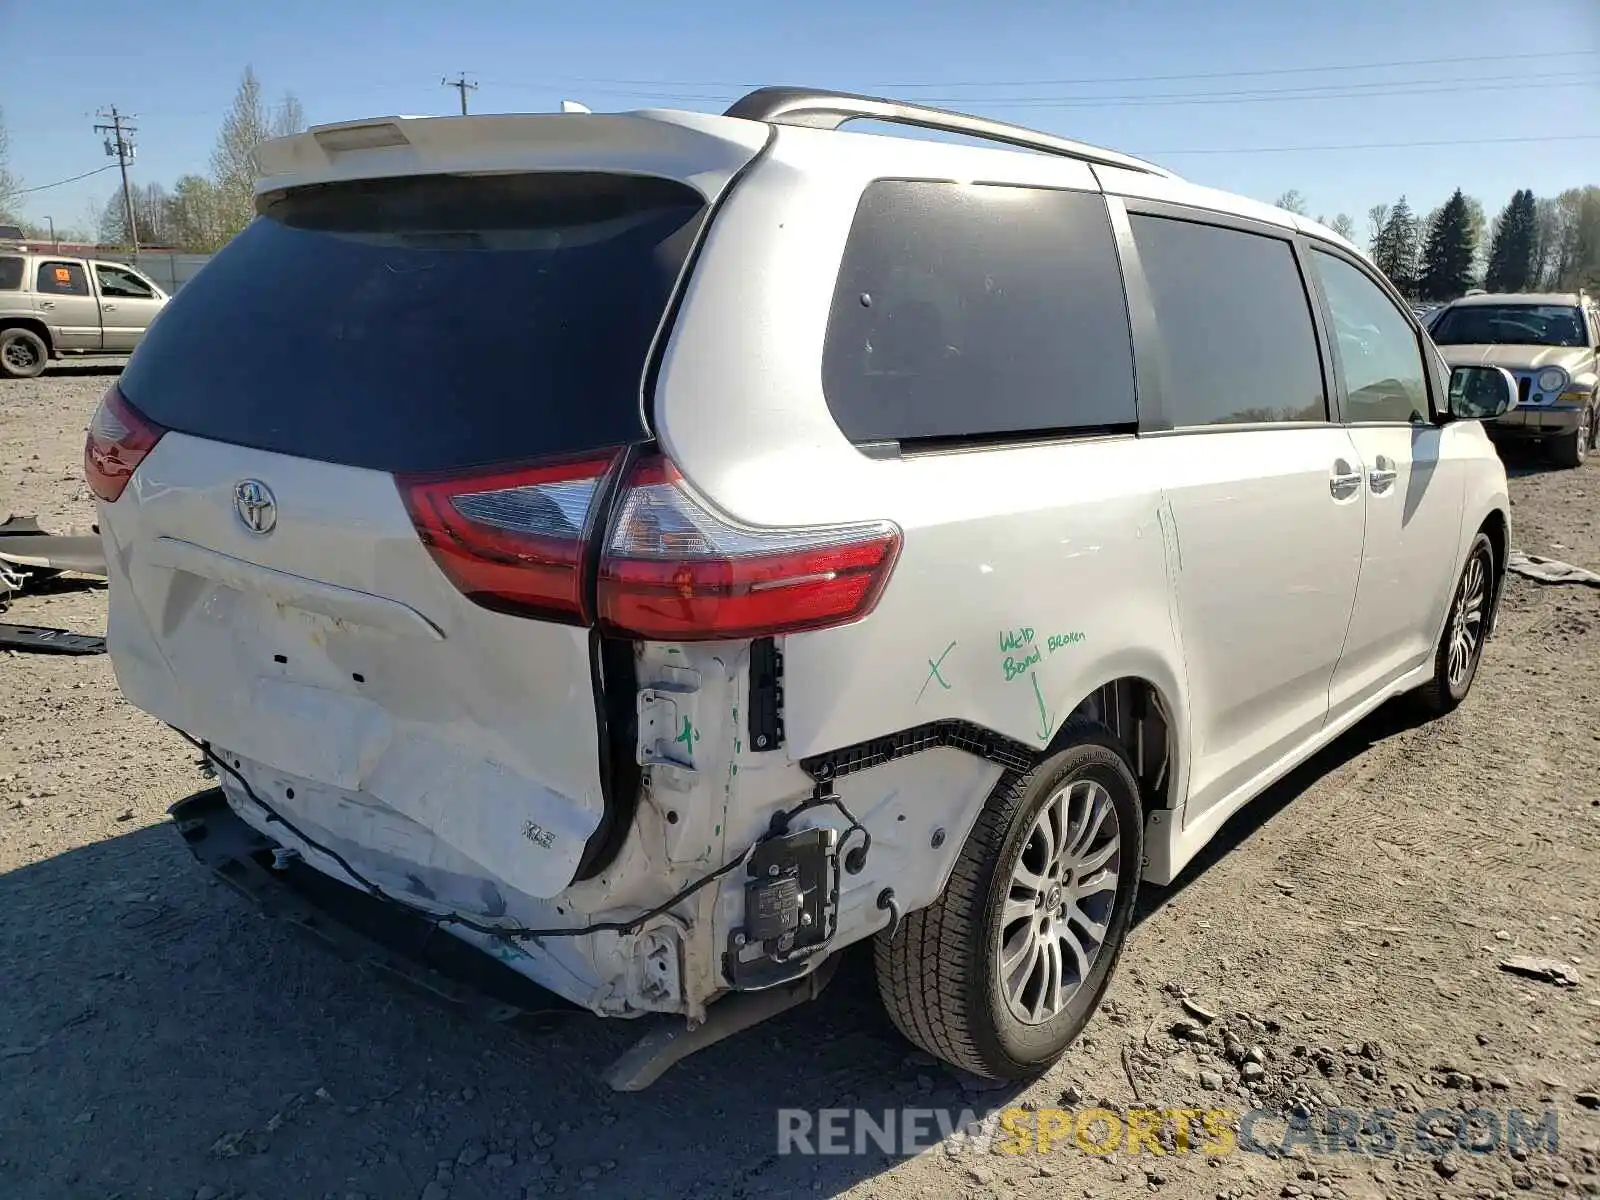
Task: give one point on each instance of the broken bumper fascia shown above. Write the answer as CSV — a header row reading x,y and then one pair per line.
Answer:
x,y
406,947
409,948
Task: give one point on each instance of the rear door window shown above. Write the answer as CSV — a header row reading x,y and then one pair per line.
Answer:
x,y
61,279
1237,342
425,323
10,273
977,312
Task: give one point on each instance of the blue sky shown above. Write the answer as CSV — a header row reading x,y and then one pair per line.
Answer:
x,y
1238,82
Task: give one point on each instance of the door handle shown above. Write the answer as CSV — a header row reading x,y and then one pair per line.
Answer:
x,y
47,304
1344,482
109,307
1382,476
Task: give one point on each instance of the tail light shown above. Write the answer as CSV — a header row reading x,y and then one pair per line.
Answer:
x,y
119,438
675,571
514,539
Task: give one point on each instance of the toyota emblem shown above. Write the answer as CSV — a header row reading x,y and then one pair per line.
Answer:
x,y
254,503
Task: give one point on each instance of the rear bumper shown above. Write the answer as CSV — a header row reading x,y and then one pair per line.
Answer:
x,y
1551,421
406,947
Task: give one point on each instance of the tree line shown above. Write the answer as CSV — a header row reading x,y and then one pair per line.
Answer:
x,y
1549,243
198,213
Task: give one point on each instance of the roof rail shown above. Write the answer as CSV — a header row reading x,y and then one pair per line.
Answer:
x,y
829,110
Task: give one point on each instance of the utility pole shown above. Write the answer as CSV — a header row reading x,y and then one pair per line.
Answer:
x,y
461,85
124,150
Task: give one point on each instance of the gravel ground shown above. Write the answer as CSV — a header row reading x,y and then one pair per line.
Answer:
x,y
160,1038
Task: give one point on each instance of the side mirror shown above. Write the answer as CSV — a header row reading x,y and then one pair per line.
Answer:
x,y
1481,393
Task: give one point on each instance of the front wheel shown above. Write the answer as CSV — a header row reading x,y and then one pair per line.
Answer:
x,y
1455,662
1571,450
1001,972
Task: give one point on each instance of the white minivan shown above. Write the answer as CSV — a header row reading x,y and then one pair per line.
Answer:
x,y
663,549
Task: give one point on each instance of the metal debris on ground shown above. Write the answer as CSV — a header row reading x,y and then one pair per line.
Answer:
x,y
40,639
27,548
1549,570
1545,970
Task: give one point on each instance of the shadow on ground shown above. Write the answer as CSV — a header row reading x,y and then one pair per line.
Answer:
x,y
86,367
159,1035
1522,459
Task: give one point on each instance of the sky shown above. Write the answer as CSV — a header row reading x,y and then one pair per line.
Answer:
x,y
1252,96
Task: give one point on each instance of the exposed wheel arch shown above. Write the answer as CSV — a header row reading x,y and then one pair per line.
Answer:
x,y
33,325
1145,721
1498,530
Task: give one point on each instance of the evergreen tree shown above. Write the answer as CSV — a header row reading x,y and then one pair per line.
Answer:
x,y
1394,250
1511,256
1447,259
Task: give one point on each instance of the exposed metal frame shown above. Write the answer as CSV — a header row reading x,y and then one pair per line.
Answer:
x,y
815,109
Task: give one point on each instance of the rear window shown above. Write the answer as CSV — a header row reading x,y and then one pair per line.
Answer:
x,y
425,323
10,273
977,311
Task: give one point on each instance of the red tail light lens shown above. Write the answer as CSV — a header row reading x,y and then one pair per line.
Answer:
x,y
512,539
673,570
119,438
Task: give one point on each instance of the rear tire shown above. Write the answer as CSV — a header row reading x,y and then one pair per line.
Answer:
x,y
999,975
1571,450
23,354
1455,662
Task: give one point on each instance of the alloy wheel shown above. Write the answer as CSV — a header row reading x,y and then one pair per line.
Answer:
x,y
1466,623
1058,909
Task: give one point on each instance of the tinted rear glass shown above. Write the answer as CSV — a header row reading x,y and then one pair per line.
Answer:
x,y
977,311
10,273
425,323
1237,341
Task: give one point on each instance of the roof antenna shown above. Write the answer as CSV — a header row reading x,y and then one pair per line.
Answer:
x,y
572,106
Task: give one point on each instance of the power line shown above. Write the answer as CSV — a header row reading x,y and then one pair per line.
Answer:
x,y
1163,100
933,85
461,85
124,149
1376,91
44,187
1560,137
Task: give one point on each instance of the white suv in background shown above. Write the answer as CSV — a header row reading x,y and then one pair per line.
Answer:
x,y
663,549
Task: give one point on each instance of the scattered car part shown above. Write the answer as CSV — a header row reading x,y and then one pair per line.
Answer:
x,y
1549,570
25,544
39,639
55,553
1545,970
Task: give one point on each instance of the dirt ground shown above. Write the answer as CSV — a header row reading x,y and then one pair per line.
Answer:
x,y
160,1038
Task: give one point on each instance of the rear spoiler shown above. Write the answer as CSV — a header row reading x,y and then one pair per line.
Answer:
x,y
692,148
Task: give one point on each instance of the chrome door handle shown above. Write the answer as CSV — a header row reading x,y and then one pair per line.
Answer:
x,y
1344,482
1381,478
47,304
109,307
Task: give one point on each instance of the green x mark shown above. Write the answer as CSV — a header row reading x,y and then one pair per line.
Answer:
x,y
933,671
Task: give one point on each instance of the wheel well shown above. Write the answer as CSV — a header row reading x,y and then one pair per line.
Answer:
x,y
32,325
1133,709
1494,525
